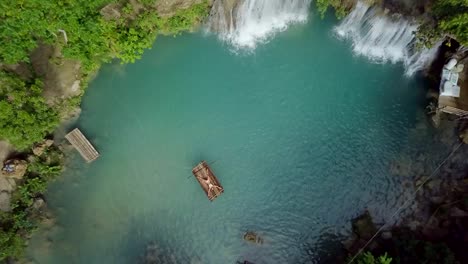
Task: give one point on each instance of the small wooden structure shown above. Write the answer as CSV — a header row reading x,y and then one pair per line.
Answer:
x,y
207,180
84,147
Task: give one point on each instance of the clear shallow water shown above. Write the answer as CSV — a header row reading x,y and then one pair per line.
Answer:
x,y
301,134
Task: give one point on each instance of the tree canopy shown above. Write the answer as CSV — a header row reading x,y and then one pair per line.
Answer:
x,y
25,118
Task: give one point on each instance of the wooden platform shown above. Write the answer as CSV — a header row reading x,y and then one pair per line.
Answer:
x,y
84,147
207,180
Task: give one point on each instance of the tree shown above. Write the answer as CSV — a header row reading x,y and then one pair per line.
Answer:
x,y
25,118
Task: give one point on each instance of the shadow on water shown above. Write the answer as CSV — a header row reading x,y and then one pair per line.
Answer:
x,y
327,250
142,246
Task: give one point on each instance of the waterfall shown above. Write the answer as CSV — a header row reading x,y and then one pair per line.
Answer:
x,y
384,38
245,23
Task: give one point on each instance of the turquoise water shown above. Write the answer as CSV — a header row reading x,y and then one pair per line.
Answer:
x,y
300,133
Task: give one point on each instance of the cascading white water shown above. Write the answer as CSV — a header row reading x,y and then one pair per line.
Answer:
x,y
246,23
384,39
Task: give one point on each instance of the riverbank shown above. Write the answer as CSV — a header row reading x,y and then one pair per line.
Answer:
x,y
62,72
43,87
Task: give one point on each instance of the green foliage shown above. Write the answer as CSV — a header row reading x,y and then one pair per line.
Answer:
x,y
338,5
17,225
184,19
24,116
451,18
368,258
91,39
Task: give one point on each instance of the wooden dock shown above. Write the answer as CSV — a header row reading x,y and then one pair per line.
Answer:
x,y
207,180
84,147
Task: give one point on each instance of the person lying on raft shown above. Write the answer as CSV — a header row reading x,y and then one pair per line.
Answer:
x,y
210,185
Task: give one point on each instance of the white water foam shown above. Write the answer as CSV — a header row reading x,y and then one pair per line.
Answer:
x,y
384,39
255,21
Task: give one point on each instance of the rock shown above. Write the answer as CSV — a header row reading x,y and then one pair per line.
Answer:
x,y
386,235
363,226
111,12
5,150
464,136
14,169
437,199
60,75
39,149
221,12
5,198
414,225
168,8
7,184
38,204
253,237
457,212
48,142
349,243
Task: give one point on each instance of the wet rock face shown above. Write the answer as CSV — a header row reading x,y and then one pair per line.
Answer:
x,y
61,76
223,14
167,8
407,7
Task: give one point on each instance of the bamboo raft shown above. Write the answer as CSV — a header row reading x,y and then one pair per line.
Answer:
x,y
207,180
84,147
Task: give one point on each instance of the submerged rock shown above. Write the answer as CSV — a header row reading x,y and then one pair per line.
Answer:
x,y
363,226
386,235
253,237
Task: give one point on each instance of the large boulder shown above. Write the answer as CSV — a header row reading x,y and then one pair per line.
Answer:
x,y
14,169
39,149
5,150
7,186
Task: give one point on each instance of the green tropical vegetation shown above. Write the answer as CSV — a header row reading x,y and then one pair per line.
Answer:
x,y
369,258
340,6
91,32
25,118
448,18
17,225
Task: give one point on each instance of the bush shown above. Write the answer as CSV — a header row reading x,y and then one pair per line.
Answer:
x,y
17,225
368,258
25,118
450,18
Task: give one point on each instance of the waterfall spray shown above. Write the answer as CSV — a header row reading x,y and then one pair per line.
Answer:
x,y
384,39
246,23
